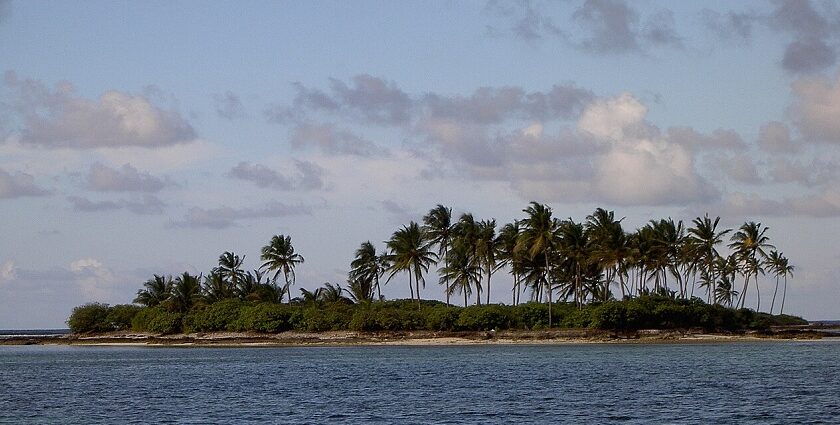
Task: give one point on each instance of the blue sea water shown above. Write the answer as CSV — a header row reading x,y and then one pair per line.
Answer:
x,y
737,383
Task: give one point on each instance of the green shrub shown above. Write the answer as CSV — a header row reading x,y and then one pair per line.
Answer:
x,y
315,319
92,317
483,318
263,317
219,316
157,320
120,316
441,318
610,315
529,316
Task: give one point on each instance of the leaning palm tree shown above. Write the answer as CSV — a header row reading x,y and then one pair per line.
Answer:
x,y
539,238
437,225
215,287
486,250
157,290
705,237
574,243
360,289
750,243
280,256
467,233
410,252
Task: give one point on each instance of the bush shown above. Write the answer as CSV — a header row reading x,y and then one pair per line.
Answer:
x,y
120,316
92,317
610,315
219,316
442,318
315,319
530,316
157,320
263,317
483,318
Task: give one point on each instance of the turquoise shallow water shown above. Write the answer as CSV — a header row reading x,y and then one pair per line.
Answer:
x,y
738,383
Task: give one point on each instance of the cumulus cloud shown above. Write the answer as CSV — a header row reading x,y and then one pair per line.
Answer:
x,y
8,271
304,175
740,168
146,204
730,26
17,185
719,139
816,109
333,141
613,27
125,179
94,279
223,217
228,105
809,173
60,118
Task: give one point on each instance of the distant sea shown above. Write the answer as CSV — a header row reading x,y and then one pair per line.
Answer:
x,y
773,382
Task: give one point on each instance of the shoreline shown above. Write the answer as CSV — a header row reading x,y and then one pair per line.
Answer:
x,y
420,338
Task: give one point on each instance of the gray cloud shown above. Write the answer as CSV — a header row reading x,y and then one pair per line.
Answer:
x,y
305,176
739,168
813,33
228,105
522,20
59,118
223,217
17,185
775,137
144,205
819,205
367,98
125,179
613,27
730,26
333,141
719,139
816,107
816,172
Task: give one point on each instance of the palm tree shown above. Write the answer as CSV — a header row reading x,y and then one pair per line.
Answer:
x,y
215,287
507,254
786,270
157,290
705,237
467,234
461,271
539,237
368,267
609,245
486,249
750,242
774,263
279,255
333,294
439,231
574,243
409,251
360,290
186,290
230,268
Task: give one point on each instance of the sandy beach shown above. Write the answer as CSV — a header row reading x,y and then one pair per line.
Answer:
x,y
417,338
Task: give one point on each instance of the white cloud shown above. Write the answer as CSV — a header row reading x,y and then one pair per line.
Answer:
x,y
60,118
125,179
304,175
613,119
8,272
94,279
817,108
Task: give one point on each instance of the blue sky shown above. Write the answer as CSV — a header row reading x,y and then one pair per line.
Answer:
x,y
150,137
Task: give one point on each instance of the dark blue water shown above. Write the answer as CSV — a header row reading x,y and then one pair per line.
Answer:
x,y
738,383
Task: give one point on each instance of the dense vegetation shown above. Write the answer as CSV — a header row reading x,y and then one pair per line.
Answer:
x,y
570,271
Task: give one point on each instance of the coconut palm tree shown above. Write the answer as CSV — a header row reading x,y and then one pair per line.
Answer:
x,y
573,242
186,290
368,267
507,255
609,247
360,289
539,238
467,234
705,237
439,229
750,242
461,271
774,264
230,268
786,269
486,249
215,287
279,255
410,252
157,290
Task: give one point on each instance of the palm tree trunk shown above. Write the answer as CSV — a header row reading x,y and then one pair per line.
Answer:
x,y
410,287
488,284
417,284
548,287
757,293
378,292
773,303
744,291
784,293
464,290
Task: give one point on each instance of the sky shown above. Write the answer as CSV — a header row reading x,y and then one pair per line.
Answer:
x,y
141,138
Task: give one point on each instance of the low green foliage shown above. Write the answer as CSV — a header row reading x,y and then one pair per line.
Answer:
x,y
648,312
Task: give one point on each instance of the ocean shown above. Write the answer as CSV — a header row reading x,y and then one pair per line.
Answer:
x,y
773,382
